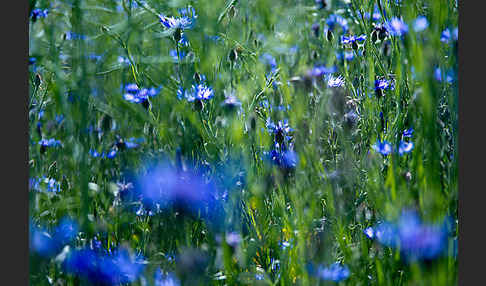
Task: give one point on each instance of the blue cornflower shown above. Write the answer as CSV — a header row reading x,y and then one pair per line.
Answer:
x,y
383,84
46,244
176,23
287,159
420,24
111,154
186,191
134,94
334,19
405,147
116,268
396,27
198,92
133,142
369,232
45,184
281,130
50,142
414,239
407,133
352,39
259,276
318,71
173,54
447,35
336,272
335,81
383,148
39,13
449,75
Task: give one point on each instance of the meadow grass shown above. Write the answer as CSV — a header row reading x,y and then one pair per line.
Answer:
x,y
270,171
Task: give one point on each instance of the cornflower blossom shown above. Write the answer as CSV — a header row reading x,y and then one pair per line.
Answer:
x,y
49,244
334,20
405,147
335,81
396,27
352,39
420,24
335,272
383,148
49,142
117,267
132,93
414,239
39,13
49,185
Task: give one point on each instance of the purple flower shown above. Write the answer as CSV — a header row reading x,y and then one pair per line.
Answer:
x,y
383,84
396,27
319,71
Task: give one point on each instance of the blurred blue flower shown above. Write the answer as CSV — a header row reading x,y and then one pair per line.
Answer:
x,y
176,23
383,148
405,147
165,279
74,36
347,55
336,272
50,142
45,184
414,239
116,268
449,76
334,19
173,54
420,24
269,60
396,27
318,71
369,232
48,245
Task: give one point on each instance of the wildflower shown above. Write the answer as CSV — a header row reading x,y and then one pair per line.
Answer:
x,y
111,154
165,279
123,60
231,101
49,142
74,36
233,239
134,94
383,148
335,81
198,92
351,118
119,267
176,23
352,39
38,13
281,130
405,147
369,232
414,239
336,272
449,75
319,71
407,133
175,57
420,24
334,19
46,244
381,85
396,27
446,35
